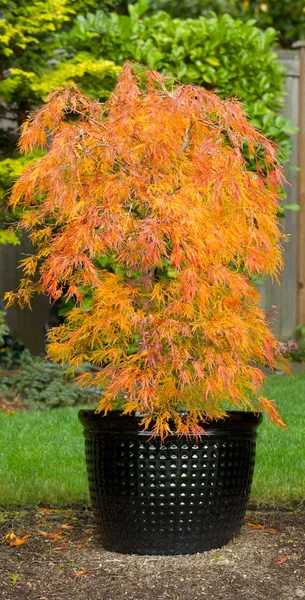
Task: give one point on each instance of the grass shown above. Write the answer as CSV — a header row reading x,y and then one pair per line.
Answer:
x,y
280,456
42,458
42,453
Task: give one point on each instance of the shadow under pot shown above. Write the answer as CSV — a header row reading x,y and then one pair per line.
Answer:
x,y
180,496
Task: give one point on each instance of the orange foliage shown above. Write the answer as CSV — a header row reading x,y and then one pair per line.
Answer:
x,y
14,540
147,206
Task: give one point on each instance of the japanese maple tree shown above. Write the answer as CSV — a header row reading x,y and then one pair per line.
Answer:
x,y
152,212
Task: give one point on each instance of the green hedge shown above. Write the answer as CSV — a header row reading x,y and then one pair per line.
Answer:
x,y
286,16
231,56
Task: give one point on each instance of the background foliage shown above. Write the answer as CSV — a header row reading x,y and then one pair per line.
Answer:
x,y
48,44
41,384
30,47
214,52
3,328
286,16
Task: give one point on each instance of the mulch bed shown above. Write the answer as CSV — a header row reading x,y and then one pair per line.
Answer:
x,y
62,559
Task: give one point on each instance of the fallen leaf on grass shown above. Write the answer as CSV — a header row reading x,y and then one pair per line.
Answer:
x,y
60,548
261,528
281,559
65,526
59,566
14,540
18,541
48,511
79,573
8,537
53,537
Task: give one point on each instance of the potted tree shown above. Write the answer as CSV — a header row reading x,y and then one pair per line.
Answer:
x,y
153,212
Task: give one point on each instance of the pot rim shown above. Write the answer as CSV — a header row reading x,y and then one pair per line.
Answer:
x,y
116,420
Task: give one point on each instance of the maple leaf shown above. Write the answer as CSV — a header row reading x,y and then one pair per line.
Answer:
x,y
79,573
11,536
260,527
19,541
279,560
47,510
53,537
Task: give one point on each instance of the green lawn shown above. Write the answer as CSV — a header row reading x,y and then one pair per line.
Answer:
x,y
42,458
42,453
280,458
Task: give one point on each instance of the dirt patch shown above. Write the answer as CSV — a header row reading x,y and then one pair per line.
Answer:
x,y
61,559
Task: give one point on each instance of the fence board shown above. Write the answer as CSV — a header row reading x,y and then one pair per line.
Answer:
x,y
301,191
28,325
284,296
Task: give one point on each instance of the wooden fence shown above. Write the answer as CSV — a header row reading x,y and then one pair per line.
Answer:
x,y
288,298
285,296
28,325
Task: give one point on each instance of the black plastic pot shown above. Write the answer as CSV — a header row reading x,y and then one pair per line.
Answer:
x,y
177,497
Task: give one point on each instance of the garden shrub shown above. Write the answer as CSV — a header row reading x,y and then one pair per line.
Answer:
x,y
3,328
10,348
42,384
296,348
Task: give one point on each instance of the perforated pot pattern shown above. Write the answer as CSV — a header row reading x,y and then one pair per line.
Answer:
x,y
181,496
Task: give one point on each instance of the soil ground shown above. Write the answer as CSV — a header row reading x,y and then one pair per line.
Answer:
x,y
62,559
